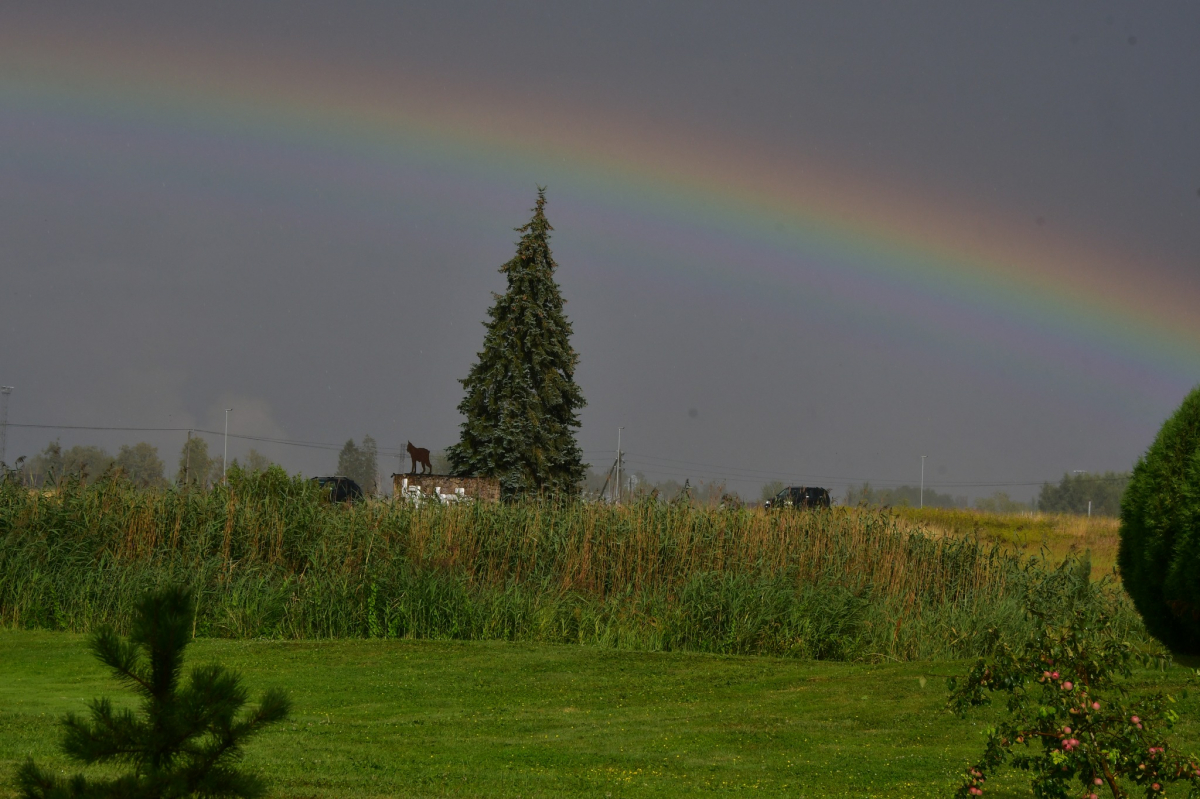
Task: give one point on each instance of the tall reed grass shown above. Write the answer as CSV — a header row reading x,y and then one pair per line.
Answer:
x,y
268,558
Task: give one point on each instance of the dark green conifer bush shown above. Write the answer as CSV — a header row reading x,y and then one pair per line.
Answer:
x,y
1159,554
187,738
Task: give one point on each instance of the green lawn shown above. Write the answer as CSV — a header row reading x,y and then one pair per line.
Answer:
x,y
430,718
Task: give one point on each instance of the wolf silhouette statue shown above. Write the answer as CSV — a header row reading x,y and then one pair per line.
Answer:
x,y
420,456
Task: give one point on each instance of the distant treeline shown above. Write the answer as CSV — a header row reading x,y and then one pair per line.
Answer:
x,y
141,465
911,497
1074,491
138,463
1069,495
901,496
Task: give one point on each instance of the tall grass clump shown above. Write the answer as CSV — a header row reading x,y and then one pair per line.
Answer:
x,y
266,557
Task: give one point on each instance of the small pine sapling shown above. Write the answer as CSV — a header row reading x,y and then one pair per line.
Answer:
x,y
186,739
1071,721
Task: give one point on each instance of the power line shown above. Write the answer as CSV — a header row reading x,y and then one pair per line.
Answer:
x,y
243,437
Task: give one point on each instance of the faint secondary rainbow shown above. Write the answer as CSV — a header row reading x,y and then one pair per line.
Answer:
x,y
964,266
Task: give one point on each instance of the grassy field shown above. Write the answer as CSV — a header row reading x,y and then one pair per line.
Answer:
x,y
1056,535
490,651
474,719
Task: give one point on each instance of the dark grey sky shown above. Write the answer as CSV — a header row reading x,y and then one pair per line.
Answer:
x,y
163,257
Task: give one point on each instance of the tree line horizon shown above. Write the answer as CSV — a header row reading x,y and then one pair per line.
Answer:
x,y
141,464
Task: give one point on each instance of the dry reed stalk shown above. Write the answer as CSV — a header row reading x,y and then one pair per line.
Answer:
x,y
178,526
227,542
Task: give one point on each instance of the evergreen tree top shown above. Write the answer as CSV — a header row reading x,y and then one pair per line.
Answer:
x,y
538,225
533,260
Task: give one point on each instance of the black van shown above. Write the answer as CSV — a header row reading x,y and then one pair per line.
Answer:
x,y
800,497
339,489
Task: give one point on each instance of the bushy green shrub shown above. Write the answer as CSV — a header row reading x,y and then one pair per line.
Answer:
x,y
1159,555
1070,720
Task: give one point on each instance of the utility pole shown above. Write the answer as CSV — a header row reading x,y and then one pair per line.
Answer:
x,y
618,483
187,461
923,480
225,454
4,392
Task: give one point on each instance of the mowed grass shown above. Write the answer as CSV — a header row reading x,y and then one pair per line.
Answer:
x,y
1053,535
473,719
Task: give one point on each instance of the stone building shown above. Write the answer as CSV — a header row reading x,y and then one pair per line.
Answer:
x,y
483,489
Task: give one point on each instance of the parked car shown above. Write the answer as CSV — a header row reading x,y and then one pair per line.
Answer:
x,y
336,488
800,497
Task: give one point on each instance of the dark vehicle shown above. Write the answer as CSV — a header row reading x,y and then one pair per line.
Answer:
x,y
799,497
339,489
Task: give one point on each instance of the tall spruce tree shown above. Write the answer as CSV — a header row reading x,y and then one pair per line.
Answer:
x,y
522,403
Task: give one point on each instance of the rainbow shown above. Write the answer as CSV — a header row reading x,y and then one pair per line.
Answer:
x,y
948,272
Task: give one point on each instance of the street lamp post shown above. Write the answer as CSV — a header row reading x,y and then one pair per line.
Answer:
x,y
225,454
923,480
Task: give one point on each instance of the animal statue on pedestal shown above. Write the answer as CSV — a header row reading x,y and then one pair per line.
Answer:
x,y
420,456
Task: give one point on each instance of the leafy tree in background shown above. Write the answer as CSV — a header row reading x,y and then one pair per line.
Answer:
x,y
47,466
360,463
188,736
900,496
1001,502
86,462
1074,491
522,403
770,490
669,489
54,463
218,468
141,464
256,461
1159,552
194,463
710,492
368,469
348,459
